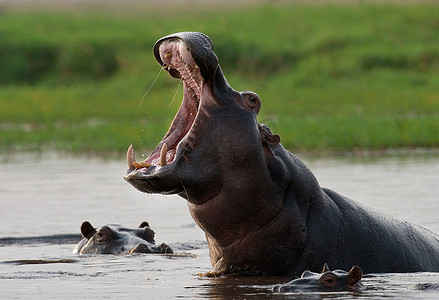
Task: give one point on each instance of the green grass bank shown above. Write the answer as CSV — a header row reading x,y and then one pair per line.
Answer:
x,y
331,77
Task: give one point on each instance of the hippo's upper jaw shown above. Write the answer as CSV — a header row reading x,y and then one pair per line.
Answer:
x,y
189,56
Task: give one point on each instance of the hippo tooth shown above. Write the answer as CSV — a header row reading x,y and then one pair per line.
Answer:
x,y
163,155
168,55
131,158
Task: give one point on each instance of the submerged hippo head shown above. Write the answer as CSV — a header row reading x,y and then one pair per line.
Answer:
x,y
115,239
337,280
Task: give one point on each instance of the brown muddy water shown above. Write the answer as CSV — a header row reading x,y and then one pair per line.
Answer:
x,y
45,198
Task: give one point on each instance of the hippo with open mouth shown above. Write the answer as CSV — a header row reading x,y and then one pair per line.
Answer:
x,y
262,210
116,239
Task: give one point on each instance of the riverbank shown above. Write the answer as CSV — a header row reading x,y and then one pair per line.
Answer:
x,y
332,78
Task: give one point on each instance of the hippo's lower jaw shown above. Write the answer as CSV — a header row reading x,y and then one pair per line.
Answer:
x,y
145,175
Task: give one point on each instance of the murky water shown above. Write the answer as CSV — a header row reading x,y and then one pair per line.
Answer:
x,y
42,198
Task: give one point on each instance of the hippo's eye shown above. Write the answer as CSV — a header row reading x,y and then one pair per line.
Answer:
x,y
328,280
104,234
252,101
100,237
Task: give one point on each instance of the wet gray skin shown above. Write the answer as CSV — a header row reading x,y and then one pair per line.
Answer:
x,y
261,208
326,281
115,239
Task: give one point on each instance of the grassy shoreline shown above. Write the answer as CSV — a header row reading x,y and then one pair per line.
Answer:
x,y
332,78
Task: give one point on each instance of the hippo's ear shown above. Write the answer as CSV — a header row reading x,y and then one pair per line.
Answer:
x,y
354,275
272,140
325,268
144,224
267,137
87,230
148,235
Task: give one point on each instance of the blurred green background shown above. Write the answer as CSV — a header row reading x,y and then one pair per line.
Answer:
x,y
332,77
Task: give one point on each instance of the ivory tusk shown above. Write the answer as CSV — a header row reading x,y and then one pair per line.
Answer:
x,y
163,155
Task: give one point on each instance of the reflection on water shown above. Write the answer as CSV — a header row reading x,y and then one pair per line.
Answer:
x,y
45,199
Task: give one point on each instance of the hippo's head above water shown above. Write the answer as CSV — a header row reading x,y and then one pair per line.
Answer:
x,y
199,141
115,239
337,280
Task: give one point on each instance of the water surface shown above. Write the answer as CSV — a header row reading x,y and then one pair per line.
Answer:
x,y
44,199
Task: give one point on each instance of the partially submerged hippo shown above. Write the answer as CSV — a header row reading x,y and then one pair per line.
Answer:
x,y
262,209
327,281
115,239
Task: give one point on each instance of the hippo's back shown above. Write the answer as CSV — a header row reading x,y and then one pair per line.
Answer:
x,y
380,243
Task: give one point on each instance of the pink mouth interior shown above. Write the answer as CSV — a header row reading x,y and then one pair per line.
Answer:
x,y
178,61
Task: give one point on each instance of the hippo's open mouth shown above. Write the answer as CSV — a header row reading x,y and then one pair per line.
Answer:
x,y
177,59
